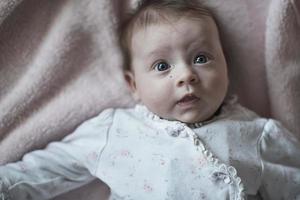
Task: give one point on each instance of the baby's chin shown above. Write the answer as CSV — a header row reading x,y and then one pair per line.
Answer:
x,y
195,116
189,118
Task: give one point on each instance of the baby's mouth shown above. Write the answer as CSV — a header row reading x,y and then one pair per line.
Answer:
x,y
187,99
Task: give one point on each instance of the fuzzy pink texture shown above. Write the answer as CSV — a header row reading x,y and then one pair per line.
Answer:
x,y
60,64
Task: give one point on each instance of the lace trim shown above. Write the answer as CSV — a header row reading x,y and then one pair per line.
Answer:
x,y
222,172
226,173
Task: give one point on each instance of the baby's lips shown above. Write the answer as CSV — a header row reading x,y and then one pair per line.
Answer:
x,y
187,98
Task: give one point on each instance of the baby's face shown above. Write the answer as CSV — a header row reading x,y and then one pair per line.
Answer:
x,y
178,69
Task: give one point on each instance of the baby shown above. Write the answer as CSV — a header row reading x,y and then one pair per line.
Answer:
x,y
185,140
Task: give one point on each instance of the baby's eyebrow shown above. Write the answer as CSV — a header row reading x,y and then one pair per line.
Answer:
x,y
159,51
198,44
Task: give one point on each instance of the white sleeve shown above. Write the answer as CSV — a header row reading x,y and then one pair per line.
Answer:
x,y
60,167
280,157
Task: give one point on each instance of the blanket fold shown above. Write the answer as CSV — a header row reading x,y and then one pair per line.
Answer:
x,y
283,62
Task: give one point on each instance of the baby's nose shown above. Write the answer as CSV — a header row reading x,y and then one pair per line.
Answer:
x,y
187,77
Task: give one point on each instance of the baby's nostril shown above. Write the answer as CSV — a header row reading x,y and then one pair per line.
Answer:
x,y
181,82
193,80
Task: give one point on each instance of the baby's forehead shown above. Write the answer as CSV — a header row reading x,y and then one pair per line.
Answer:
x,y
158,17
185,25
170,36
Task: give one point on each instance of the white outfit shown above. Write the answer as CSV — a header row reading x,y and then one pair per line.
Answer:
x,y
142,157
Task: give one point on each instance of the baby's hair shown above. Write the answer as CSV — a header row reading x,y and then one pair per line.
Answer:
x,y
152,12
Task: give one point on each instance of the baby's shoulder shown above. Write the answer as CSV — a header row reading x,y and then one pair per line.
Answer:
x,y
241,121
113,112
110,115
240,116
237,112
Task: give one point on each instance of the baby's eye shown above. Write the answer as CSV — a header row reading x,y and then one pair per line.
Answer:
x,y
162,66
200,59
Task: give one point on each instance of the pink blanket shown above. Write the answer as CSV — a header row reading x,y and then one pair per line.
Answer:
x,y
60,64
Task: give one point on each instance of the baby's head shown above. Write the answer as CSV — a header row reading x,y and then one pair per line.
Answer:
x,y
175,64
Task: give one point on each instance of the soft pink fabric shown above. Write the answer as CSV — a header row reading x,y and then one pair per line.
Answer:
x,y
282,52
60,64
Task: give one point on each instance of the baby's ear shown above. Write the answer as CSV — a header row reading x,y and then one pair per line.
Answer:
x,y
130,79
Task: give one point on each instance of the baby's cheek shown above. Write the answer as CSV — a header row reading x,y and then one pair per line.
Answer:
x,y
159,104
218,82
157,96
